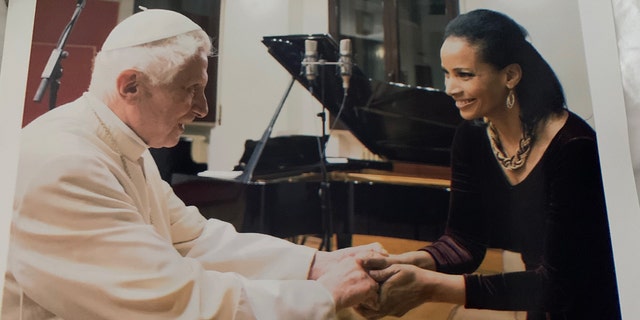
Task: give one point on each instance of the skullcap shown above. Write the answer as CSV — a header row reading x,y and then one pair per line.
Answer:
x,y
148,26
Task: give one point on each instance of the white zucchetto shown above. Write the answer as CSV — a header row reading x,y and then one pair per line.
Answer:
x,y
148,26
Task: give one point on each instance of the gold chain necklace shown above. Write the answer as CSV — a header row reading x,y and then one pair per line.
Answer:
x,y
517,160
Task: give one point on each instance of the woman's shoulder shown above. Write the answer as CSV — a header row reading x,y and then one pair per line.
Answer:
x,y
576,128
576,137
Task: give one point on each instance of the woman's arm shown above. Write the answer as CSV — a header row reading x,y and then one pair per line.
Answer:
x,y
462,247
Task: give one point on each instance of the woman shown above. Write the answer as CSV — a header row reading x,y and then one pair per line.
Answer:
x,y
525,177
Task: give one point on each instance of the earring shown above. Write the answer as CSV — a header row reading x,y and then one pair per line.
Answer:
x,y
511,99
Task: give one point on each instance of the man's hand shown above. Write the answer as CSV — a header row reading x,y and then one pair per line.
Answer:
x,y
350,284
324,260
342,273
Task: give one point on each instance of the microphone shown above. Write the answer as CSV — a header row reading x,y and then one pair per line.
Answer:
x,y
310,58
345,62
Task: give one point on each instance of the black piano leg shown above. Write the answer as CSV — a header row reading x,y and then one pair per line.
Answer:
x,y
344,239
327,218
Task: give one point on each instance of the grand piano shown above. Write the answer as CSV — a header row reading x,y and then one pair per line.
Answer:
x,y
295,190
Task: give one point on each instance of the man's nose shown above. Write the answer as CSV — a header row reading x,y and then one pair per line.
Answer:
x,y
200,107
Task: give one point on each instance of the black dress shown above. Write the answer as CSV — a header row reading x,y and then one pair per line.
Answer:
x,y
556,218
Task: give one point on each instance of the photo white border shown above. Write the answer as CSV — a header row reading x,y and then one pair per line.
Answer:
x,y
603,66
13,84
605,80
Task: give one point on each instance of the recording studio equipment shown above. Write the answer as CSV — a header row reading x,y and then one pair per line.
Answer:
x,y
310,59
345,62
52,71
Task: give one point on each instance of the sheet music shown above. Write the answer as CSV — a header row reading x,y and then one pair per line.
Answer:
x,y
224,175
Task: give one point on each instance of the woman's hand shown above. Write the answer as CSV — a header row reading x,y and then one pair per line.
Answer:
x,y
404,287
420,259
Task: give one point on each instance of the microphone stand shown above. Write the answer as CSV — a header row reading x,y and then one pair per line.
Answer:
x,y
324,190
53,69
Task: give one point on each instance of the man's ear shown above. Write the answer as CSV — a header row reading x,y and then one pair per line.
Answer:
x,y
513,73
127,83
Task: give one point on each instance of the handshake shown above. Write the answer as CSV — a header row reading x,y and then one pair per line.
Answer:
x,y
377,284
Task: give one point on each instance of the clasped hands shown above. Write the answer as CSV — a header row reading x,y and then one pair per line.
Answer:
x,y
375,283
404,283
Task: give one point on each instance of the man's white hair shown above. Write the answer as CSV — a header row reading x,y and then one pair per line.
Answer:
x,y
159,60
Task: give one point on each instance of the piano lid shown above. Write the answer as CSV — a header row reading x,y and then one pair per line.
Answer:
x,y
394,121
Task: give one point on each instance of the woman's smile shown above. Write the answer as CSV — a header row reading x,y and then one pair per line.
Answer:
x,y
464,103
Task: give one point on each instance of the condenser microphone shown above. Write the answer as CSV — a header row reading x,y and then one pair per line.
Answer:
x,y
346,65
310,59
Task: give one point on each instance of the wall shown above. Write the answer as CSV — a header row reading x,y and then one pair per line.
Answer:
x,y
92,26
251,83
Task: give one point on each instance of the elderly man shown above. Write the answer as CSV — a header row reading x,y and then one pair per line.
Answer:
x,y
97,234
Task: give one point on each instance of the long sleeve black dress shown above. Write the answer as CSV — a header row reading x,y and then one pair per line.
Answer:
x,y
556,218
